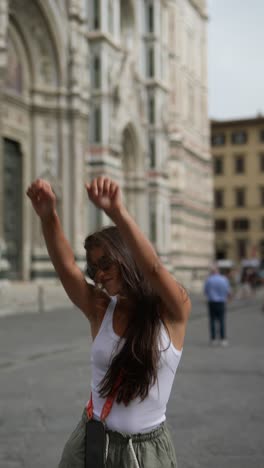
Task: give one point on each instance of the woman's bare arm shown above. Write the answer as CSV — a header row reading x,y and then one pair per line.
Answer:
x,y
79,291
106,194
173,295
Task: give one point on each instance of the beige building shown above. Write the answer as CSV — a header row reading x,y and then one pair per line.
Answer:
x,y
238,159
117,87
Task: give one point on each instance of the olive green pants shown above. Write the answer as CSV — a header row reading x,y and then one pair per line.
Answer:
x,y
150,450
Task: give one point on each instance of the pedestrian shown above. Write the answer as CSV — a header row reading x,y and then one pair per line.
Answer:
x,y
138,315
217,289
245,290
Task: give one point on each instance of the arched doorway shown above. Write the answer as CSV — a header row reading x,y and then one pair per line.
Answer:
x,y
30,78
13,207
16,89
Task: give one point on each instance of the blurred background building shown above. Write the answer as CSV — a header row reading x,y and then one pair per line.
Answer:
x,y
114,87
238,158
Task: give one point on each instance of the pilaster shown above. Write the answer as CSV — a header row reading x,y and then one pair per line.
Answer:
x,y
3,63
78,121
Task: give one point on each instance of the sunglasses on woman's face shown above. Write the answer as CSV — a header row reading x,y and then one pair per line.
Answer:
x,y
103,264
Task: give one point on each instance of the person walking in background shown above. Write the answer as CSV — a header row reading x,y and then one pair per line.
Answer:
x,y
217,289
138,315
245,290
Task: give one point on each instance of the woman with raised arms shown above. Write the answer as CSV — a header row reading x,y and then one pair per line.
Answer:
x,y
138,314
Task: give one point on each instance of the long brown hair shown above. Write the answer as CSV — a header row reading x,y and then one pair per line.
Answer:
x,y
138,359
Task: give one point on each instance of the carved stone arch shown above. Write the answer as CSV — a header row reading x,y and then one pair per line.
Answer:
x,y
59,34
19,69
36,33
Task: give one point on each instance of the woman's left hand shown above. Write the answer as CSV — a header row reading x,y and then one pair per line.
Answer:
x,y
105,194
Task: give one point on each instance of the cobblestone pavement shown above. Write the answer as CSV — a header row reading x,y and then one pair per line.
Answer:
x,y
215,411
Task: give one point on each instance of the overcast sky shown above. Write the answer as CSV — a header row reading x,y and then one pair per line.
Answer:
x,y
235,58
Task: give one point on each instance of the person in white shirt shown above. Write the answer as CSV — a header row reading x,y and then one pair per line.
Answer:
x,y
138,315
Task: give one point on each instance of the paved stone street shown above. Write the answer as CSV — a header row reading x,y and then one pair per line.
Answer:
x,y
216,408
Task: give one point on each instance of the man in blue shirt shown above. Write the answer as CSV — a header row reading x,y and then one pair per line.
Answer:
x,y
217,289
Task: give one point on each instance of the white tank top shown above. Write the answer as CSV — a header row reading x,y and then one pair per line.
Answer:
x,y
138,416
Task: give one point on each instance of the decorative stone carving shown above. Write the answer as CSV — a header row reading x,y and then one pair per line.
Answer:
x,y
13,76
3,36
115,74
140,92
126,97
62,4
3,22
50,151
78,60
35,28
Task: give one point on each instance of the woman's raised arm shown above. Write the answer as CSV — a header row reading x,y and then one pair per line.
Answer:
x,y
44,203
106,194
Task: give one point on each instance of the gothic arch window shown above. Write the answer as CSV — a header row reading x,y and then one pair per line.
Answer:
x,y
97,125
153,226
150,61
14,71
150,17
96,14
127,23
96,72
151,109
129,150
152,153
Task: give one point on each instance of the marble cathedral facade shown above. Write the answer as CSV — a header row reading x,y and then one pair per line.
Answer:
x,y
116,87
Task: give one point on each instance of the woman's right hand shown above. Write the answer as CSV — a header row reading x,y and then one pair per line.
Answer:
x,y
42,197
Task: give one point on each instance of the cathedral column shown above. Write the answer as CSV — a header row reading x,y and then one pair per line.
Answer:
x,y
104,16
78,110
3,62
